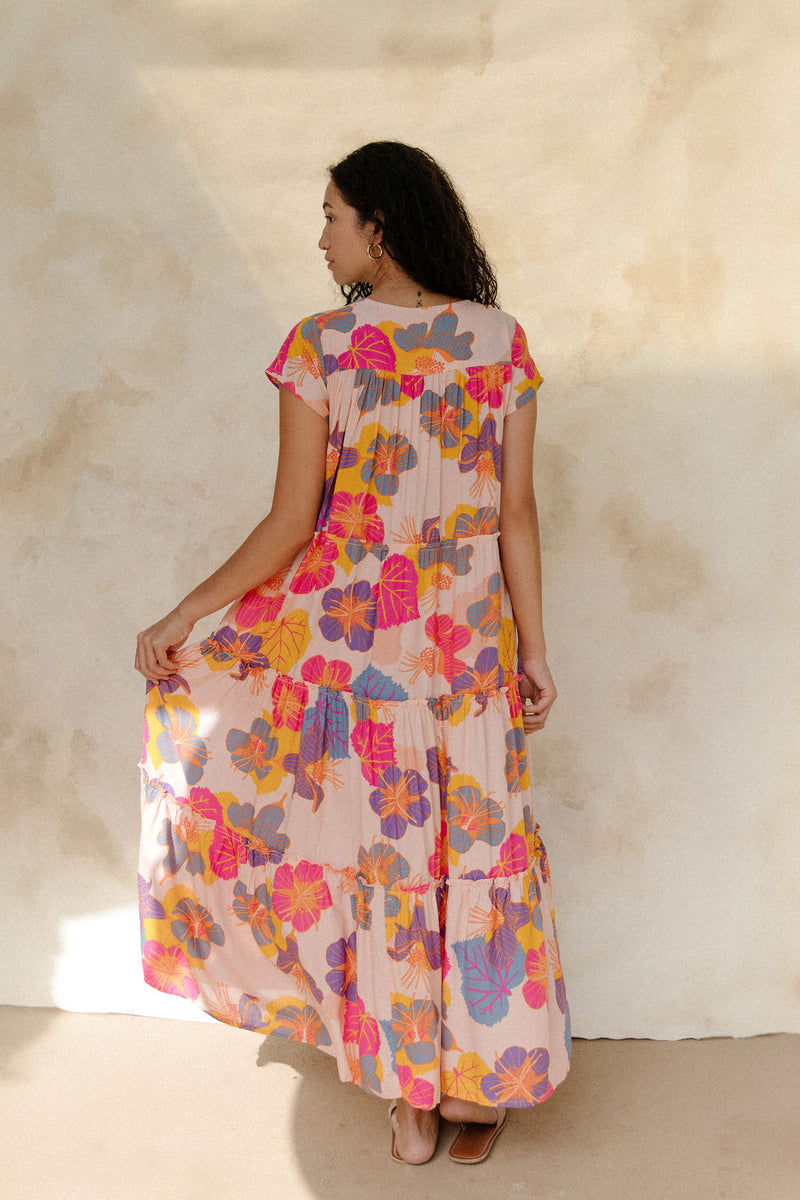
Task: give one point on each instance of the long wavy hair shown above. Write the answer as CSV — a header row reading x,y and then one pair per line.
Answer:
x,y
426,229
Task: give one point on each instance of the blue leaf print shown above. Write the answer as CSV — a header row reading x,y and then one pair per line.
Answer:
x,y
328,722
442,337
373,683
484,988
341,319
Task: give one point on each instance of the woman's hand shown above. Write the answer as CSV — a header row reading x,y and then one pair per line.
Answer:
x,y
538,692
154,645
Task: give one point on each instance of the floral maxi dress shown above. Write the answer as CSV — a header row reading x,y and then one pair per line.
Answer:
x,y
338,841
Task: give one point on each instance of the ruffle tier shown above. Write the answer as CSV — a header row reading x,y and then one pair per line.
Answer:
x,y
361,874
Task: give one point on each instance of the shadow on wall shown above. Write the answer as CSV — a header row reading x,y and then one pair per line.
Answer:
x,y
94,182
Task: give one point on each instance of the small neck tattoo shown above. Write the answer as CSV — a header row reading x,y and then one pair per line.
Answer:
x,y
419,298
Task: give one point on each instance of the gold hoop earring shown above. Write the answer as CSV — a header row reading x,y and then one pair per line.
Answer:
x,y
374,257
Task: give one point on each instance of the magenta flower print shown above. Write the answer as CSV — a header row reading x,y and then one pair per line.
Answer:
x,y
520,354
351,614
520,1078
300,894
486,384
253,752
444,417
168,970
389,455
316,568
412,385
400,801
355,516
396,595
512,858
418,1092
258,609
226,853
289,700
439,857
179,742
535,987
369,347
448,638
341,957
360,1027
373,742
332,673
193,924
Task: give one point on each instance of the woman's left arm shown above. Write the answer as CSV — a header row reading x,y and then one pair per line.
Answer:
x,y
299,483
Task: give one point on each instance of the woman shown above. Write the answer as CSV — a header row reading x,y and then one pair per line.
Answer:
x,y
338,843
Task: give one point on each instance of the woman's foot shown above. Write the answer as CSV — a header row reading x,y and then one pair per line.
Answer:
x,y
417,1130
456,1110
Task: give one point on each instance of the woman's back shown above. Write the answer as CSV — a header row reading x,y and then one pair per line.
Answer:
x,y
404,571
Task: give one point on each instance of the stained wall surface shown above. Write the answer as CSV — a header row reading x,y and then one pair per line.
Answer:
x,y
632,166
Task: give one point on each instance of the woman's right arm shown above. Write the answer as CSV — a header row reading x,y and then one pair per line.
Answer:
x,y
290,523
520,556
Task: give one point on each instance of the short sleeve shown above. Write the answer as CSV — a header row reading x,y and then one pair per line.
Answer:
x,y
525,377
299,366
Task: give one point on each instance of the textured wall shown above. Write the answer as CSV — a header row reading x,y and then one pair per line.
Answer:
x,y
629,164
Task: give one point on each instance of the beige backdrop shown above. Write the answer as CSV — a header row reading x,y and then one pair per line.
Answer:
x,y
632,165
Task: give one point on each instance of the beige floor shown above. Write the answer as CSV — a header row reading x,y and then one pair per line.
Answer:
x,y
118,1108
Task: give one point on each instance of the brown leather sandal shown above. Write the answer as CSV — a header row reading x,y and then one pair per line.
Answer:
x,y
474,1140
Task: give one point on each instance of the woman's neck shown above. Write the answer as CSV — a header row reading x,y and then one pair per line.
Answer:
x,y
392,286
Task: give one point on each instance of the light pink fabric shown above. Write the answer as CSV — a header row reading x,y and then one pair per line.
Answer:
x,y
338,839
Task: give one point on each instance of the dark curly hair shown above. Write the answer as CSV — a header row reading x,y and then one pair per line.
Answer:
x,y
426,228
